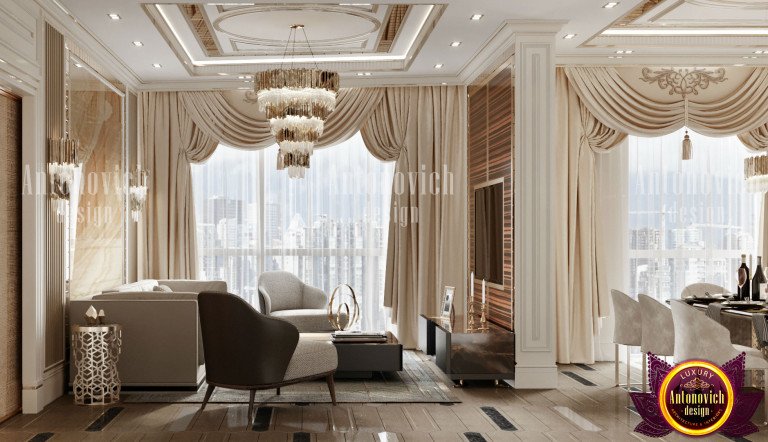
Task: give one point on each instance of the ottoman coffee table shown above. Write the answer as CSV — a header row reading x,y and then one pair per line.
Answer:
x,y
362,359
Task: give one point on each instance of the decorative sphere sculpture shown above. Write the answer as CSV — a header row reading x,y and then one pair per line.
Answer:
x,y
343,309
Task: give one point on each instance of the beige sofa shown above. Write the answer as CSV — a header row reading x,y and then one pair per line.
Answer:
x,y
161,331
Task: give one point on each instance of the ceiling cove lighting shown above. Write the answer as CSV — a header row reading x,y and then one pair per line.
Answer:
x,y
297,102
137,43
687,32
610,5
455,44
476,17
568,36
113,16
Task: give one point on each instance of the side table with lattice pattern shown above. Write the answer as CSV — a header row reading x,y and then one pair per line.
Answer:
x,y
95,352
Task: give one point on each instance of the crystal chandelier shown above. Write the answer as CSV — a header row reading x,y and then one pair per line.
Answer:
x,y
62,171
756,173
296,102
137,192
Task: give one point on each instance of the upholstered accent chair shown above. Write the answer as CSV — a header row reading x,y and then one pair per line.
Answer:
x,y
283,295
699,337
703,289
627,329
658,331
245,350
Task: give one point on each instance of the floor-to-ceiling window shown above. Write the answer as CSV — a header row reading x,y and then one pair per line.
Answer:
x,y
689,221
328,228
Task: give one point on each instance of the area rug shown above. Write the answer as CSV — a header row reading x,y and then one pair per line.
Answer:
x,y
416,383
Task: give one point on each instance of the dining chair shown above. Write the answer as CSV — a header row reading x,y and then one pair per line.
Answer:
x,y
658,332
703,289
699,337
627,329
246,350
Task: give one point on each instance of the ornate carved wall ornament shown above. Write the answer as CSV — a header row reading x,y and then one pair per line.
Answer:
x,y
683,81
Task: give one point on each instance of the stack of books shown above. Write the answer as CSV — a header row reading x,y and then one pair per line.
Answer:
x,y
359,336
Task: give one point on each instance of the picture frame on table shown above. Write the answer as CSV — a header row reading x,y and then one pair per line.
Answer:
x,y
447,306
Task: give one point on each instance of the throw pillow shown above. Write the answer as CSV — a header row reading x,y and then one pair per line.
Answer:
x,y
161,288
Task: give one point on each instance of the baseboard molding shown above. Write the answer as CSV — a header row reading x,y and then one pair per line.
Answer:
x,y
34,399
535,377
10,415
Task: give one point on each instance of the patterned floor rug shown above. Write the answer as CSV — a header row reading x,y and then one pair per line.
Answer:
x,y
416,383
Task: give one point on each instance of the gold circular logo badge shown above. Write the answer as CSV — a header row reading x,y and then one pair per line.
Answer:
x,y
696,398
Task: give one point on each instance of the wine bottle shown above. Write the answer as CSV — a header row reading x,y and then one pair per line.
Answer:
x,y
758,282
744,292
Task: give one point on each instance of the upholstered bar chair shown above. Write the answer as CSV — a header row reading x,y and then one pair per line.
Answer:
x,y
658,334
702,290
245,350
699,337
627,329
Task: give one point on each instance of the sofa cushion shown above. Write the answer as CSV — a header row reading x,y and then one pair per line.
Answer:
x,y
311,357
191,285
306,320
145,285
161,288
146,296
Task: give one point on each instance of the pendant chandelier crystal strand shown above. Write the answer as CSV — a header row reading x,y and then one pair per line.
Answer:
x,y
296,102
756,173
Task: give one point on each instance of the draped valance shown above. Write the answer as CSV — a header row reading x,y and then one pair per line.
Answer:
x,y
423,129
597,107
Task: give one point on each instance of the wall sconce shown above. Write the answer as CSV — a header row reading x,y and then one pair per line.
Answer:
x,y
137,192
62,171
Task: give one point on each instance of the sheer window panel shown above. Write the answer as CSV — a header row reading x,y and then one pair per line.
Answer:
x,y
328,228
689,221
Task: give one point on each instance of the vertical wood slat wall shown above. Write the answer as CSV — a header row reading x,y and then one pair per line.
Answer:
x,y
55,290
490,145
10,255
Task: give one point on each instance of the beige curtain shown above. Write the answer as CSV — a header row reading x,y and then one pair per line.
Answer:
x,y
579,300
596,108
422,128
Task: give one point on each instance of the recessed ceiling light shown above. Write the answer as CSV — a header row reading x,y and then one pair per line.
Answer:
x,y
610,5
476,17
759,52
113,16
78,65
617,56
241,77
628,51
2,61
455,44
439,66
138,43
443,83
367,74
223,73
157,65
619,52
739,64
569,36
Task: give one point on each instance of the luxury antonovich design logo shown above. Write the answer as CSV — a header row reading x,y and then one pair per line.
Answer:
x,y
696,398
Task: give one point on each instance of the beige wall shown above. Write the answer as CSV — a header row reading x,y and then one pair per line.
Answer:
x,y
10,256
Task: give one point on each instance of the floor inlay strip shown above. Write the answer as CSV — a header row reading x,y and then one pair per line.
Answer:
x,y
579,379
301,437
41,437
585,367
104,419
474,437
577,419
498,419
262,419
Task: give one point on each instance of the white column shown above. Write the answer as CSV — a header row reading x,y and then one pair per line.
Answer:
x,y
534,171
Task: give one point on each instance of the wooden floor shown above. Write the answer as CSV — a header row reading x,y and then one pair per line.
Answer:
x,y
575,411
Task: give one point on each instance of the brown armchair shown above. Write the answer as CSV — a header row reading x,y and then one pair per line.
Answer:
x,y
245,350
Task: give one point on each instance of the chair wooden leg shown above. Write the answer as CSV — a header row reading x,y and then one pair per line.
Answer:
x,y
616,363
278,391
208,393
250,406
331,388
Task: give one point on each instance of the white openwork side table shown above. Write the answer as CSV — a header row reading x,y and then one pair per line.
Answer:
x,y
95,351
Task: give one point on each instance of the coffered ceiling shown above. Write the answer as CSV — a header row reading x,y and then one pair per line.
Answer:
x,y
178,44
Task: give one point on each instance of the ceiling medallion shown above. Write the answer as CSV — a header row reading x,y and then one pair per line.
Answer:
x,y
296,102
683,81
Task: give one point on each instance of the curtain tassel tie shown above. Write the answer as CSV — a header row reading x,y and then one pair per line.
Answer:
x,y
687,147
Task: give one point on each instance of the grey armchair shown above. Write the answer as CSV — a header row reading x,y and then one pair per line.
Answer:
x,y
283,295
245,350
